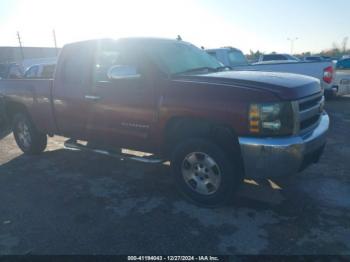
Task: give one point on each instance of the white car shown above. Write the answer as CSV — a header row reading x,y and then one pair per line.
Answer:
x,y
235,59
342,77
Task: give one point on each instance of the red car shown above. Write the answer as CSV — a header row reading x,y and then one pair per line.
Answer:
x,y
173,100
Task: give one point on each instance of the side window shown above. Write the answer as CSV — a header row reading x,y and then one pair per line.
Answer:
x,y
15,72
77,63
213,54
32,72
273,57
3,71
111,55
48,71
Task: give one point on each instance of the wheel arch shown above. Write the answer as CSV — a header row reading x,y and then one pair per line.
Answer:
x,y
12,108
180,128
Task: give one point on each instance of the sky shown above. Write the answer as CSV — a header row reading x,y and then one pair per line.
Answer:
x,y
263,25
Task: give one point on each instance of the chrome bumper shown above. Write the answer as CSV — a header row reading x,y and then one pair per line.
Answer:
x,y
271,157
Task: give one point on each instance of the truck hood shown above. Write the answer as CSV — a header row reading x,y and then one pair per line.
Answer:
x,y
287,86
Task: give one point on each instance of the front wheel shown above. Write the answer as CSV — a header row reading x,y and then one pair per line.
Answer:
x,y
27,137
204,172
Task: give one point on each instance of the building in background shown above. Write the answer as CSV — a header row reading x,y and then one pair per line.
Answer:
x,y
32,55
13,54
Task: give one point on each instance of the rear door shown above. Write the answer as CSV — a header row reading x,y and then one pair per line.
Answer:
x,y
124,112
71,87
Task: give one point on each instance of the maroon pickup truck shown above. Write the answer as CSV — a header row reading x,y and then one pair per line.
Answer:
x,y
172,100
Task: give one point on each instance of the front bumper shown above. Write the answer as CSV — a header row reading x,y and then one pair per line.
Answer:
x,y
272,157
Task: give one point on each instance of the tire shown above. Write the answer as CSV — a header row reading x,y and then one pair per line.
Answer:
x,y
330,95
27,137
205,173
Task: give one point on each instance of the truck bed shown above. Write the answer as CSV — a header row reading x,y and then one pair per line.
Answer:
x,y
314,69
35,95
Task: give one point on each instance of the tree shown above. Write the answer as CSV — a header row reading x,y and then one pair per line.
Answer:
x,y
254,56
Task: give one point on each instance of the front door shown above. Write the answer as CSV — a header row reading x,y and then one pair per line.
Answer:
x,y
124,112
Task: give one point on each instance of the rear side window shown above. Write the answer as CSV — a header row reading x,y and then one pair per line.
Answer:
x,y
48,71
15,72
32,72
273,57
77,64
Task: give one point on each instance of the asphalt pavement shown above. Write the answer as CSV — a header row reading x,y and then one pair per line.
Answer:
x,y
70,202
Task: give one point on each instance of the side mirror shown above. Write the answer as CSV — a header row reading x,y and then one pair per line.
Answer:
x,y
122,72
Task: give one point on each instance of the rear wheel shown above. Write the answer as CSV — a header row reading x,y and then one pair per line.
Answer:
x,y
27,137
205,173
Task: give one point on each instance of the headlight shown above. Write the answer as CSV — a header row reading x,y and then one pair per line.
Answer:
x,y
272,119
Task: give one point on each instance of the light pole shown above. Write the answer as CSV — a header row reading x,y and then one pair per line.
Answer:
x,y
292,40
54,40
20,44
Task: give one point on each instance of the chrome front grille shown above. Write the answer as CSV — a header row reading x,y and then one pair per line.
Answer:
x,y
310,110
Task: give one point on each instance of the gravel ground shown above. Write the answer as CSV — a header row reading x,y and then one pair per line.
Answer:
x,y
69,202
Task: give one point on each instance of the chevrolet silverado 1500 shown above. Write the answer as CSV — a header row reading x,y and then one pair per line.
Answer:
x,y
174,101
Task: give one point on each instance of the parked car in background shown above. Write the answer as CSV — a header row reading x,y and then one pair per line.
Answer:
x,y
10,71
277,57
321,70
44,71
342,77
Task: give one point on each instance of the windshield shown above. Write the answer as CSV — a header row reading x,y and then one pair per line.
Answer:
x,y
179,57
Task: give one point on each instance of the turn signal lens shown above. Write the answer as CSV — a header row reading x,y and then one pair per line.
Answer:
x,y
254,119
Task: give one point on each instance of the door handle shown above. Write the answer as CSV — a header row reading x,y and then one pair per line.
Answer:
x,y
92,98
